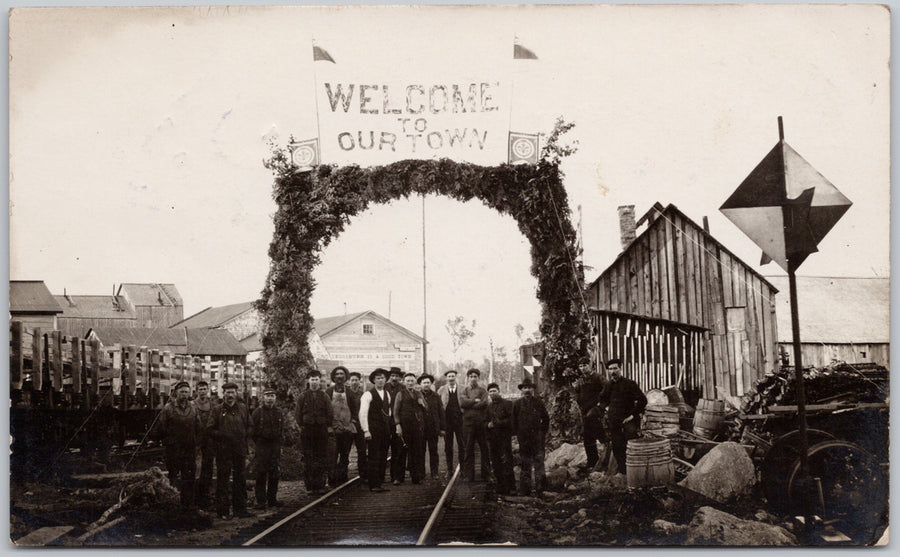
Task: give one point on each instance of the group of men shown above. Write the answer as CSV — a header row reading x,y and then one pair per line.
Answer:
x,y
219,432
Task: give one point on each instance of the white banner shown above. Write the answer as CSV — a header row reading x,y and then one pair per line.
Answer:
x,y
376,122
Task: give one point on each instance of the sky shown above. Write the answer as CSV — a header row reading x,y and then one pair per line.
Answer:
x,y
137,140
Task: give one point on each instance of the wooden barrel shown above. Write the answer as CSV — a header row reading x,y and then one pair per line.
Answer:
x,y
656,397
662,420
708,423
649,462
674,395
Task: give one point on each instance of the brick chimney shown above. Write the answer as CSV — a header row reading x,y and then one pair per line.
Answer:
x,y
626,225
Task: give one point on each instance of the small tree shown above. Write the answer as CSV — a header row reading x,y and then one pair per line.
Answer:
x,y
460,334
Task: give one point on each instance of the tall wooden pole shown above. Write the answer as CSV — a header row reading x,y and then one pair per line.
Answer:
x,y
424,298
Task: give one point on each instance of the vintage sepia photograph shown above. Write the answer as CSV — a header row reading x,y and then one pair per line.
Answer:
x,y
521,275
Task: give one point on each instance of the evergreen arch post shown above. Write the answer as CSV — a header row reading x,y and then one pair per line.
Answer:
x,y
314,207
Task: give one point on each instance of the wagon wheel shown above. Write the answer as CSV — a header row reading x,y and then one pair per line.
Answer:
x,y
779,459
854,487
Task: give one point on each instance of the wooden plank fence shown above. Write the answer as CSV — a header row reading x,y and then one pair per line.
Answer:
x,y
48,368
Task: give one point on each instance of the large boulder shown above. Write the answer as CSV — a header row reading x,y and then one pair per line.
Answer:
x,y
567,455
724,473
713,527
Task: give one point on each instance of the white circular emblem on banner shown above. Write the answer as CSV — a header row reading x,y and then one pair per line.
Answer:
x,y
304,155
523,148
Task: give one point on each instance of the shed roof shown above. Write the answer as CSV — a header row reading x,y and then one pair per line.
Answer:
x,y
212,342
836,310
94,307
31,296
327,325
214,316
252,343
150,294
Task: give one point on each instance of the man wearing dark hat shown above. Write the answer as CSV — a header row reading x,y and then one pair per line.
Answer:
x,y
345,408
267,424
434,421
449,394
409,413
398,447
624,402
474,402
315,416
205,405
229,427
587,393
530,425
499,436
375,417
355,386
179,428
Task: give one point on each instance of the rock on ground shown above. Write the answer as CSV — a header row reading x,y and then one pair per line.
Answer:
x,y
556,479
668,528
567,455
713,527
726,472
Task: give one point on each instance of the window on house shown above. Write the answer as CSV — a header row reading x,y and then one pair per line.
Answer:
x,y
863,354
368,329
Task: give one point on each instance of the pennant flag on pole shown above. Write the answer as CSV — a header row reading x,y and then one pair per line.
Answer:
x,y
320,54
523,148
522,53
785,206
305,154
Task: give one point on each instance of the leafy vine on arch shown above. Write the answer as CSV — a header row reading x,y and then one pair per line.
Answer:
x,y
314,207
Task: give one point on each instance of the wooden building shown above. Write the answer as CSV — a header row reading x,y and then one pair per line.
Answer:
x,y
82,313
847,319
366,340
31,303
680,308
154,304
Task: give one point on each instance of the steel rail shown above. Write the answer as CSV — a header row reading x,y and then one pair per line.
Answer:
x,y
438,509
295,514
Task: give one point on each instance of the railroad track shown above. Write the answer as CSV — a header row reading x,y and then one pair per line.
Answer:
x,y
433,512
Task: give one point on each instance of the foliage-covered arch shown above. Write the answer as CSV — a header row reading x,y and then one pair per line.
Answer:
x,y
314,207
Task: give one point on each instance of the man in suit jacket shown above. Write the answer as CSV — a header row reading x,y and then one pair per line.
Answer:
x,y
449,394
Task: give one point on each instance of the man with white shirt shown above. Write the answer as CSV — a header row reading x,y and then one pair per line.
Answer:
x,y
377,423
453,415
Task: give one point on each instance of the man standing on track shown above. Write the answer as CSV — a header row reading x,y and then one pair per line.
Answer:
x,y
345,407
530,425
315,416
268,428
398,447
354,385
434,421
474,401
229,427
409,413
179,428
499,435
205,407
625,401
449,394
377,424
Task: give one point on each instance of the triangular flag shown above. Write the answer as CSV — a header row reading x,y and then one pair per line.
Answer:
x,y
320,53
522,53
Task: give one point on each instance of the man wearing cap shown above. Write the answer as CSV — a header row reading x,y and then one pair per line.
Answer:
x,y
315,416
345,407
473,400
624,402
434,420
376,420
267,424
355,386
398,447
449,394
409,413
587,393
499,436
179,428
229,427
530,425
205,407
